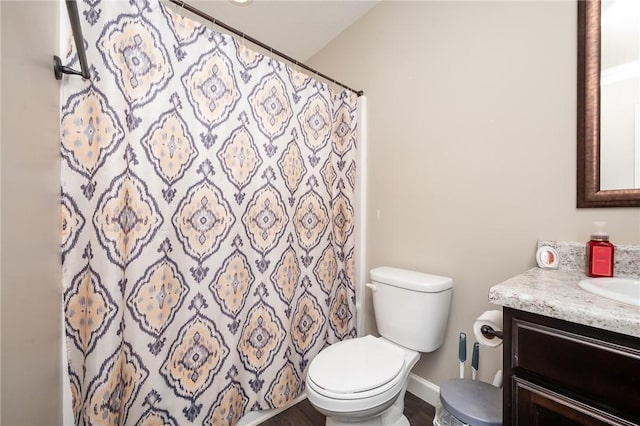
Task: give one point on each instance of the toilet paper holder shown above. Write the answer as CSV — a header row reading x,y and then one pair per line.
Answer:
x,y
488,332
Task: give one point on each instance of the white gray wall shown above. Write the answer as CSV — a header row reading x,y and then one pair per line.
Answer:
x,y
31,283
472,145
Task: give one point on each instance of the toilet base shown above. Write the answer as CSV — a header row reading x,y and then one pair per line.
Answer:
x,y
376,421
392,416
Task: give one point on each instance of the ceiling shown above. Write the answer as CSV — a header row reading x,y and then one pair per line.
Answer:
x,y
298,28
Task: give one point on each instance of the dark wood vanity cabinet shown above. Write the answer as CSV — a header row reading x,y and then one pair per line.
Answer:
x,y
559,373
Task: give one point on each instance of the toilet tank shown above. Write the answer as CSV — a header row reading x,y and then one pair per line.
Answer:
x,y
411,308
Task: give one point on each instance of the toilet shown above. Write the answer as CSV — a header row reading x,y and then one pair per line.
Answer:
x,y
362,381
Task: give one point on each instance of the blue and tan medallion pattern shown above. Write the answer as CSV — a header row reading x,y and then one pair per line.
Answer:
x,y
207,221
195,357
285,387
232,284
315,122
240,159
271,108
341,315
286,275
292,168
310,220
113,391
132,50
211,90
342,219
170,148
229,407
126,219
307,324
203,220
265,220
328,173
89,307
261,337
343,134
158,295
90,132
326,269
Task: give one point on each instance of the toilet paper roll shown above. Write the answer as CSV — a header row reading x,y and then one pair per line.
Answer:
x,y
494,320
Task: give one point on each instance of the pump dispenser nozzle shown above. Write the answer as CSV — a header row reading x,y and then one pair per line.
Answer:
x,y
600,234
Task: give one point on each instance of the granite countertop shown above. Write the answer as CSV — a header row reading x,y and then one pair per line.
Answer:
x,y
555,294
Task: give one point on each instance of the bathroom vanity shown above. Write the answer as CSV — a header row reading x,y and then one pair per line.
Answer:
x,y
570,357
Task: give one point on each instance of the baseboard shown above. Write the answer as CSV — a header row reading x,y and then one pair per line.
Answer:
x,y
423,389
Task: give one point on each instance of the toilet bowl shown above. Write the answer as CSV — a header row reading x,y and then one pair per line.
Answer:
x,y
357,380
363,381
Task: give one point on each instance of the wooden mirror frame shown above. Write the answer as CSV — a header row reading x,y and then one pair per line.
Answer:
x,y
589,193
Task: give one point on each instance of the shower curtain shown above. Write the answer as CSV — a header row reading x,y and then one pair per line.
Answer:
x,y
207,222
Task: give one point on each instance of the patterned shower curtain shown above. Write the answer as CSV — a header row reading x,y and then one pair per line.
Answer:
x,y
207,222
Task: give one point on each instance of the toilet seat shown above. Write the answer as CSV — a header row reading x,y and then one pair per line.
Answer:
x,y
358,376
357,368
373,374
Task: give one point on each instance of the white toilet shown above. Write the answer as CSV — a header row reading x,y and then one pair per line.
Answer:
x,y
362,381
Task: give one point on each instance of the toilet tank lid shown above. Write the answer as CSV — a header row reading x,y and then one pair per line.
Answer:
x,y
411,280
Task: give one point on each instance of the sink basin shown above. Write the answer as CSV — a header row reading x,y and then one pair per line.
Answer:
x,y
626,290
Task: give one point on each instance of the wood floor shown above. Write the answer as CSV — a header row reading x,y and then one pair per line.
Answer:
x,y
417,411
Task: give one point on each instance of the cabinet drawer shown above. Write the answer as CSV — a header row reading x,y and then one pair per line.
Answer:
x,y
537,406
604,374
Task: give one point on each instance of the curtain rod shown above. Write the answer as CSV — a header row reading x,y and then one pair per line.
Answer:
x,y
76,29
229,28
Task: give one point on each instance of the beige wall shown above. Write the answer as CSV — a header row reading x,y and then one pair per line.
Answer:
x,y
31,283
471,160
472,145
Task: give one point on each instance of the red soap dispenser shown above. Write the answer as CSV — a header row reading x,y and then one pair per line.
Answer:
x,y
599,253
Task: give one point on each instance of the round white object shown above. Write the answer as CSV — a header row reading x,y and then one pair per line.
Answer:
x,y
547,257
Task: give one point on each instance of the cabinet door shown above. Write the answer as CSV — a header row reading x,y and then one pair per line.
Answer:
x,y
537,406
597,367
601,372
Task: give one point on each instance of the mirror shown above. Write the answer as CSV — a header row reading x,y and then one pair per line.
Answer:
x,y
603,149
